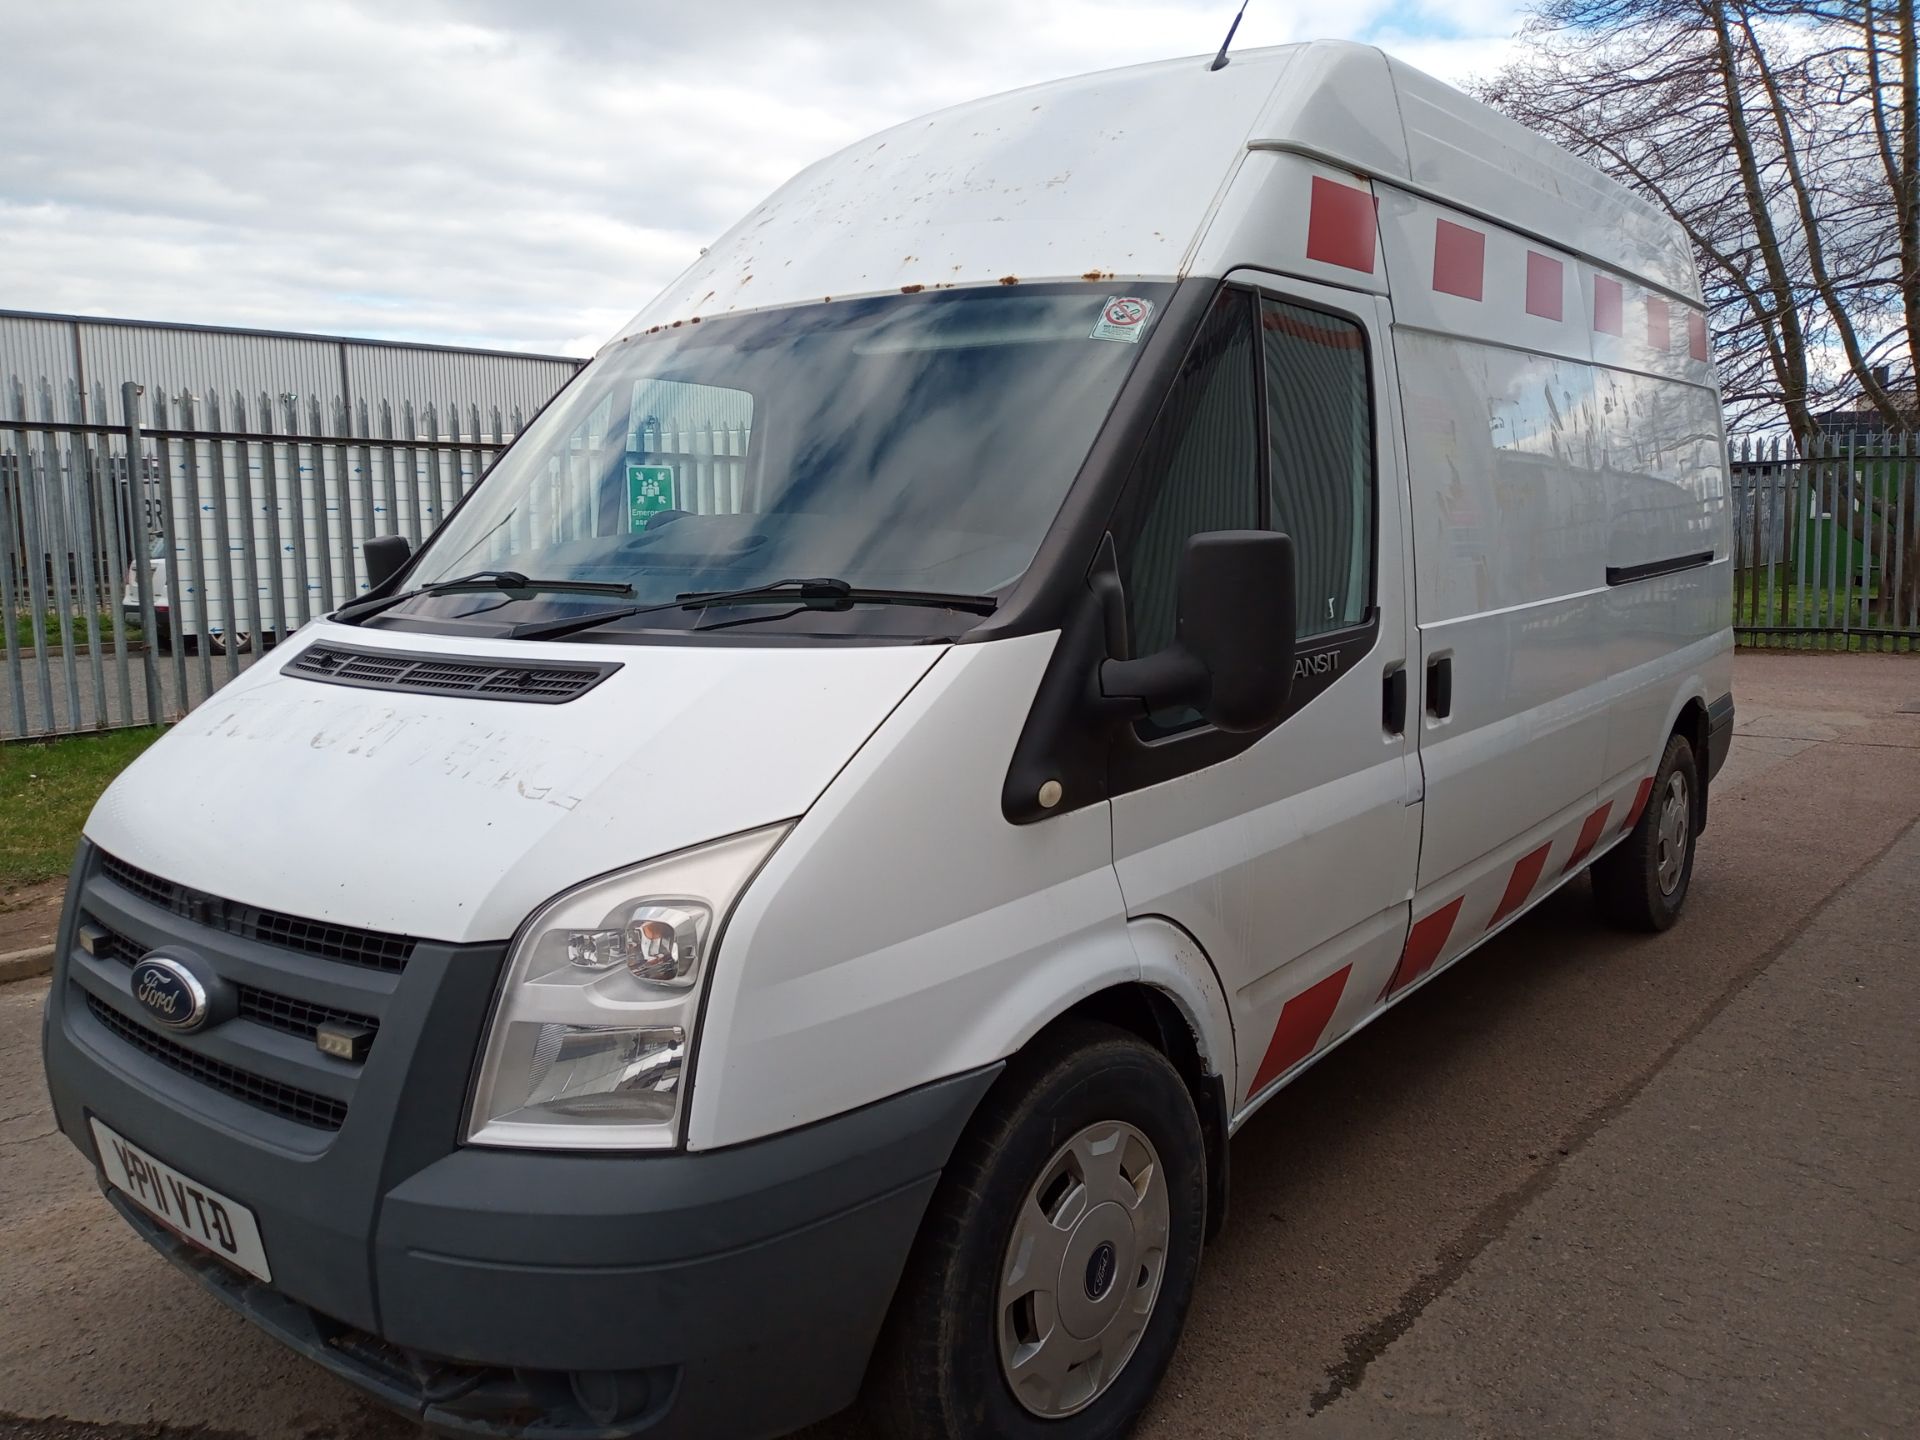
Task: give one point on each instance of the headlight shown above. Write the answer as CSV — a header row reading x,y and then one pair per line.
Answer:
x,y
596,1015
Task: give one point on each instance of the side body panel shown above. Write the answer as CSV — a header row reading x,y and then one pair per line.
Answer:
x,y
1509,547
1562,428
1667,497
906,931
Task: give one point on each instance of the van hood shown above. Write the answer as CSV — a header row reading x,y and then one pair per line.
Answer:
x,y
451,818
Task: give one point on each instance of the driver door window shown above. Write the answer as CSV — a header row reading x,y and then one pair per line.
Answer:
x,y
1320,460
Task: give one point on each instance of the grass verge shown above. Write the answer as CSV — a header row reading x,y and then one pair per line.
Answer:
x,y
76,634
46,790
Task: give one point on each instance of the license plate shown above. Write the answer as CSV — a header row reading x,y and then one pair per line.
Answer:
x,y
185,1206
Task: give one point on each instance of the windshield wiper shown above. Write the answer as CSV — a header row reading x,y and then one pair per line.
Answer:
x,y
810,594
834,592
509,580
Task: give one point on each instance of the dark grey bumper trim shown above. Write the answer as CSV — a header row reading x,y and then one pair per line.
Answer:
x,y
446,1396
1719,733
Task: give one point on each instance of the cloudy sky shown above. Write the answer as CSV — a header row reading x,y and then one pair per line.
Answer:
x,y
518,173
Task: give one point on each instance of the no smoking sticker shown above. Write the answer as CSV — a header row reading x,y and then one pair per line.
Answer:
x,y
1123,318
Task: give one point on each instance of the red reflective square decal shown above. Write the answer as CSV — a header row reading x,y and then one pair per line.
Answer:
x,y
1659,331
1697,336
1607,308
1546,283
1459,259
1340,229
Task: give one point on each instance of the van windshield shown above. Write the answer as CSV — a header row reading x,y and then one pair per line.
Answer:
x,y
914,442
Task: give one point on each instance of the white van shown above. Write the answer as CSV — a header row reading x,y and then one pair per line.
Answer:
x,y
729,924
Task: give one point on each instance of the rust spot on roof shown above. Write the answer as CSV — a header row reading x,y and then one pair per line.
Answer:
x,y
678,323
1098,275
694,321
911,289
1009,279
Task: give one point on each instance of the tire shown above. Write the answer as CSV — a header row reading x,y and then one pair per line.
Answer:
x,y
941,1369
1641,884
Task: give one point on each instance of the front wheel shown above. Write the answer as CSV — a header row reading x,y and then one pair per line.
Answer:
x,y
1642,882
1058,1256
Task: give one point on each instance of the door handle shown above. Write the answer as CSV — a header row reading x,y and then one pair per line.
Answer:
x,y
1440,687
1393,701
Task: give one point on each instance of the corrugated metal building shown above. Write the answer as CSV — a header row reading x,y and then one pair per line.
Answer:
x,y
90,357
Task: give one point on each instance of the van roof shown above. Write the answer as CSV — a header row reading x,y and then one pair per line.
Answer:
x,y
1116,174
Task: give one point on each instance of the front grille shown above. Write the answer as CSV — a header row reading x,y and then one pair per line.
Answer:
x,y
335,942
263,1007
296,1017
549,683
303,1107
372,948
150,888
118,947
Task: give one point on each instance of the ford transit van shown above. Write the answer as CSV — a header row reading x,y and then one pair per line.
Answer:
x,y
1072,608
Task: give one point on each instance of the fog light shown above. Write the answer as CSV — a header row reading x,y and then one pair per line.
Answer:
x,y
343,1041
610,1397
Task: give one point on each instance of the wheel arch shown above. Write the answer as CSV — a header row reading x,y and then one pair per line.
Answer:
x,y
1176,1006
1695,724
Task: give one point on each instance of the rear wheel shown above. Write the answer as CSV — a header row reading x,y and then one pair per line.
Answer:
x,y
1641,884
1057,1259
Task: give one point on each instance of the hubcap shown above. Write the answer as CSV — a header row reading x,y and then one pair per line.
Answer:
x,y
1676,827
1082,1269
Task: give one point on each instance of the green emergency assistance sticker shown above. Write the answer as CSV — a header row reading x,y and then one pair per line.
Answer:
x,y
649,491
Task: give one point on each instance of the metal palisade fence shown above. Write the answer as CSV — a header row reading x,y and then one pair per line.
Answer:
x,y
1826,544
144,563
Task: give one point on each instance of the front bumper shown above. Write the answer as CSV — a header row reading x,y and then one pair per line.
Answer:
x,y
499,1292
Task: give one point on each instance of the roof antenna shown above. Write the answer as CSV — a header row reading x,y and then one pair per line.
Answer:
x,y
1220,60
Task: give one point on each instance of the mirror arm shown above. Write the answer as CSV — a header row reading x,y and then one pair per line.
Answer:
x,y
1172,676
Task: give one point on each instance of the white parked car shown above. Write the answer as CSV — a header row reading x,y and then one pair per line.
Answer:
x,y
197,628
1072,608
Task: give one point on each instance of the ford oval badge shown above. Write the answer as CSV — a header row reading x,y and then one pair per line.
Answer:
x,y
170,993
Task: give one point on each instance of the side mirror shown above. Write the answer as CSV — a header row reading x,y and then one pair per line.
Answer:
x,y
384,554
1232,656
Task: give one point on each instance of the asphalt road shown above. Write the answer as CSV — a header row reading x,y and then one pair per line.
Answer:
x,y
1581,1185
